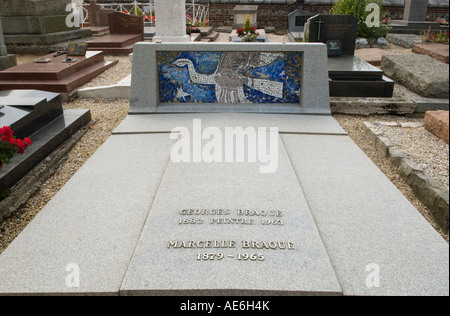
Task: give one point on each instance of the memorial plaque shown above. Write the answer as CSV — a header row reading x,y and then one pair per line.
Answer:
x,y
212,233
121,23
322,28
334,48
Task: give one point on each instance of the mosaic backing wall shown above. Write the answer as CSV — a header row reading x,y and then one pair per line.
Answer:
x,y
230,77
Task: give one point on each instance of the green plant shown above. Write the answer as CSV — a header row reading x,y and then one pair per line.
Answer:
x,y
247,24
440,37
357,8
250,37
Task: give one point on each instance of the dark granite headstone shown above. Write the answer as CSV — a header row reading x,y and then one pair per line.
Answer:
x,y
121,23
415,10
321,28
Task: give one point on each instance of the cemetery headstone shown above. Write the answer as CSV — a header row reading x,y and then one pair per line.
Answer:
x,y
97,15
321,28
240,13
171,21
38,22
415,10
414,19
349,75
299,17
121,23
124,31
6,60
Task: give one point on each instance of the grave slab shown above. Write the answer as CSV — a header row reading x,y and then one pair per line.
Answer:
x,y
366,224
98,235
437,122
55,76
419,73
213,186
437,51
404,40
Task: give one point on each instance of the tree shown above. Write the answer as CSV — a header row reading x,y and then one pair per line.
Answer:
x,y
369,15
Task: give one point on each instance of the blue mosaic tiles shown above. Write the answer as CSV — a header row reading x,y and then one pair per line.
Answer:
x,y
230,77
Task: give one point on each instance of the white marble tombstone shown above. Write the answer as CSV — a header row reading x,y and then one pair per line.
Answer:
x,y
171,21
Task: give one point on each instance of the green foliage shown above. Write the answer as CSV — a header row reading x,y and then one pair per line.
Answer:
x,y
247,24
357,8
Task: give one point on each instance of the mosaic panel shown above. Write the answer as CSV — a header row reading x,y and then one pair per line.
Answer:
x,y
230,77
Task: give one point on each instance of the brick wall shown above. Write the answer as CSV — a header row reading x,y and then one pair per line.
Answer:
x,y
275,12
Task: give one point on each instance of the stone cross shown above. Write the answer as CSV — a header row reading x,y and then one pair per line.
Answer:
x,y
300,4
171,21
320,22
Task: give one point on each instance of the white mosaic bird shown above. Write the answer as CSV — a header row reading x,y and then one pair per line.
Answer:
x,y
233,72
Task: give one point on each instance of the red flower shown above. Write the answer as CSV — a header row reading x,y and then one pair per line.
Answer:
x,y
6,131
20,143
10,145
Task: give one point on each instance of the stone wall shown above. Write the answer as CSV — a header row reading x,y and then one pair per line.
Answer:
x,y
274,12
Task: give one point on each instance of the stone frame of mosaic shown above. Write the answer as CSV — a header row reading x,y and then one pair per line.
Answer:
x,y
265,78
230,77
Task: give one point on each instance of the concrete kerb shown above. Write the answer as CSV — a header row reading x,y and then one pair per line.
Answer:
x,y
426,188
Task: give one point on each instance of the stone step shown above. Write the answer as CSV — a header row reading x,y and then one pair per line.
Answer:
x,y
65,84
212,36
54,70
114,41
126,50
206,30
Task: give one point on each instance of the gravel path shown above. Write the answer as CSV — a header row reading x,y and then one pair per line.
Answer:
x,y
107,114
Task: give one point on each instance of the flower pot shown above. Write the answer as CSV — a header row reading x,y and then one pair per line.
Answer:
x,y
1,165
